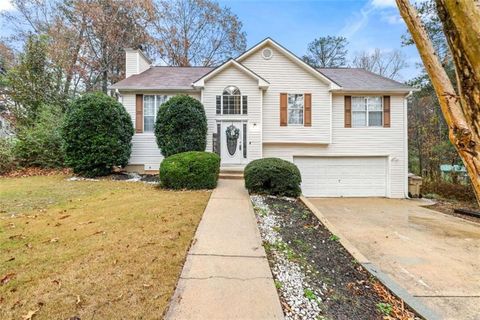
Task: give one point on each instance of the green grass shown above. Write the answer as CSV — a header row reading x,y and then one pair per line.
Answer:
x,y
92,249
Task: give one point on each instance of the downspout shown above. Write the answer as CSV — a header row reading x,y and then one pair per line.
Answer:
x,y
405,141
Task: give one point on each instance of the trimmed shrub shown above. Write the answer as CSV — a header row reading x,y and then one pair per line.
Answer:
x,y
273,176
190,170
7,160
448,190
97,134
40,144
181,126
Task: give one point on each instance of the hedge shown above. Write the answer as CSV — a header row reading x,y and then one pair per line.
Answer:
x,y
190,170
273,176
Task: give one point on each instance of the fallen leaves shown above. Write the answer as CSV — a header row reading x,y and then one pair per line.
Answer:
x,y
6,278
398,307
30,314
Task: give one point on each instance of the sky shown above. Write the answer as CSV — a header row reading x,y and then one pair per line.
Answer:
x,y
367,24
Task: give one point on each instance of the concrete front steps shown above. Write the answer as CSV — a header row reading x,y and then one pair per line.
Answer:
x,y
234,173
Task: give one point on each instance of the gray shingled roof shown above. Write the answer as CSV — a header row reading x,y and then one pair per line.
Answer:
x,y
181,78
357,79
163,78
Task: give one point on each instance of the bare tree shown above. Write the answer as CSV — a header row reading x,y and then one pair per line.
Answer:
x,y
326,52
196,32
461,25
387,64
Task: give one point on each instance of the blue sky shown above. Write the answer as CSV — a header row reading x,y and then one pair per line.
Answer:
x,y
367,24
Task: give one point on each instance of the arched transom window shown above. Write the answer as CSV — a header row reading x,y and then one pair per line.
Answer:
x,y
232,102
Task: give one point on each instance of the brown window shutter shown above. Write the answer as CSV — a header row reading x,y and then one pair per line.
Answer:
x,y
139,113
307,114
386,111
348,111
283,109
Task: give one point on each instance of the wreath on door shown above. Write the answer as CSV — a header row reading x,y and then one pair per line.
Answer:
x,y
232,134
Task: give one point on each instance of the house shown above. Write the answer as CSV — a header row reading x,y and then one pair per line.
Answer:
x,y
345,128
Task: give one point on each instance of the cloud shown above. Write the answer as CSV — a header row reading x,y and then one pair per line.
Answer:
x,y
6,5
384,3
357,22
387,9
392,18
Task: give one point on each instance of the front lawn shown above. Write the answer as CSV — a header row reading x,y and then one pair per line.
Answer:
x,y
92,249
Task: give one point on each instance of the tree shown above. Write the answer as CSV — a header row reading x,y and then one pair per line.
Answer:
x,y
461,26
196,32
86,48
326,52
387,64
429,145
31,83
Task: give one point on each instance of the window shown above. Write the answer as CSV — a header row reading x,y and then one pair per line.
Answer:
x,y
231,102
151,104
367,111
295,109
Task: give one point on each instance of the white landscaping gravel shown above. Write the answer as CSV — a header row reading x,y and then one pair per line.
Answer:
x,y
289,273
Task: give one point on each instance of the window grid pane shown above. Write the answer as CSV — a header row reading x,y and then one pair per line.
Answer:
x,y
149,123
245,104
359,118
295,109
375,118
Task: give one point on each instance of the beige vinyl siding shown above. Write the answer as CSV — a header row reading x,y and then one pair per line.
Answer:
x,y
143,63
285,76
248,87
368,141
144,146
135,62
131,63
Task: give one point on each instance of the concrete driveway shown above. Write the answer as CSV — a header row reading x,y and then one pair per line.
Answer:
x,y
435,257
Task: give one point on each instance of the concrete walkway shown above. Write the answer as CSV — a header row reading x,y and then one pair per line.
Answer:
x,y
226,274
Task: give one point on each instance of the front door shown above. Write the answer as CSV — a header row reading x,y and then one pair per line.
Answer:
x,y
232,142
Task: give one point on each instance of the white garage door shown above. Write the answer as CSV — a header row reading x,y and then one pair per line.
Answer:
x,y
343,176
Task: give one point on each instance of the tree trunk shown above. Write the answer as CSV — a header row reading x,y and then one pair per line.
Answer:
x,y
461,21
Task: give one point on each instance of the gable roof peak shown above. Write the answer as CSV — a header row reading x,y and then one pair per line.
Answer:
x,y
291,56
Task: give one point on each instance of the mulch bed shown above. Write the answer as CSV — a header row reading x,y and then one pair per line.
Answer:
x,y
344,288
34,171
119,176
447,207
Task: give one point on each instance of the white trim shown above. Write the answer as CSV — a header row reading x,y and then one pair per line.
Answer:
x,y
405,142
331,117
200,83
367,111
307,67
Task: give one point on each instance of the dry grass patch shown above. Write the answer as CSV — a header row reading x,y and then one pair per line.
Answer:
x,y
95,250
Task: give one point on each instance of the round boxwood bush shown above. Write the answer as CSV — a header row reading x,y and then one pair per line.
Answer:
x,y
273,176
181,126
190,170
97,134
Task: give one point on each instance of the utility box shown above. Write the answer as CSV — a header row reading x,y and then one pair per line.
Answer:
x,y
414,184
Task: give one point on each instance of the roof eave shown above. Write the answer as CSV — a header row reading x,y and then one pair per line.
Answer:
x,y
200,83
360,90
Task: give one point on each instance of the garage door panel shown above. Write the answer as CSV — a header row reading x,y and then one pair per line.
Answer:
x,y
343,176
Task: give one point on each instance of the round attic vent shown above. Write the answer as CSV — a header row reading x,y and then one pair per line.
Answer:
x,y
267,53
